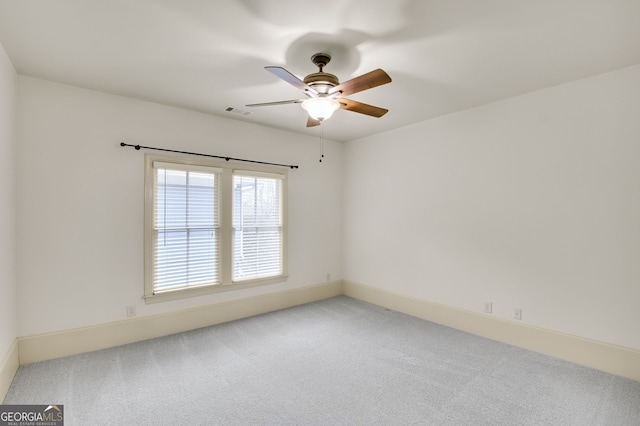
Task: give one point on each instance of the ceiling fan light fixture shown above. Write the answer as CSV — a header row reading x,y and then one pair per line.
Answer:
x,y
320,108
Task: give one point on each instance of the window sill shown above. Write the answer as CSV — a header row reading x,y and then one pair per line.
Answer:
x,y
211,289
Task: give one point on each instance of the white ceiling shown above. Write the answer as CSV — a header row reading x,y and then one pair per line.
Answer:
x,y
443,55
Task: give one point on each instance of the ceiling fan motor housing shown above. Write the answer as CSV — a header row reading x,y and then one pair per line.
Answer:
x,y
321,81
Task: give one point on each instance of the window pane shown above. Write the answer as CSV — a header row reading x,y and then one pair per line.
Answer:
x,y
186,239
185,259
257,223
201,196
257,252
171,199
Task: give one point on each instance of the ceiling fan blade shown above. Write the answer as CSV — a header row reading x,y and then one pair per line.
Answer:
x,y
355,106
293,101
369,80
291,79
312,122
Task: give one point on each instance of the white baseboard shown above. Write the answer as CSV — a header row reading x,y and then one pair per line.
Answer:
x,y
8,369
84,339
612,359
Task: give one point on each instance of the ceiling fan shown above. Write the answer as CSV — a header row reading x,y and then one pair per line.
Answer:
x,y
325,93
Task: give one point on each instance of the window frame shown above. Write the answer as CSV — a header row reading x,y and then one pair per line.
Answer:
x,y
226,172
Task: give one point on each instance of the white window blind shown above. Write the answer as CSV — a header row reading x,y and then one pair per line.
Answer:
x,y
257,225
186,229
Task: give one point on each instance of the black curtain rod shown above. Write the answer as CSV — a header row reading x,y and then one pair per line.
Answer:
x,y
137,147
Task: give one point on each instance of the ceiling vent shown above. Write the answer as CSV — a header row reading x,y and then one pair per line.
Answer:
x,y
237,111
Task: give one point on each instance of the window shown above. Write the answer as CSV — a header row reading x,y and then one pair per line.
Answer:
x,y
210,227
257,226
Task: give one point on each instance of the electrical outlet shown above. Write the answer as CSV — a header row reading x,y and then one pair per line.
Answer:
x,y
328,277
517,314
488,307
131,311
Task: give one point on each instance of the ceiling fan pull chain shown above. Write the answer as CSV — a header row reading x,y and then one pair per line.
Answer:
x,y
321,143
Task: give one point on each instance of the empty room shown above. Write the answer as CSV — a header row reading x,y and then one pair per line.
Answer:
x,y
343,212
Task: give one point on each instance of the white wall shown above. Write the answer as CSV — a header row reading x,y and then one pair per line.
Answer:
x,y
8,111
532,202
80,201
